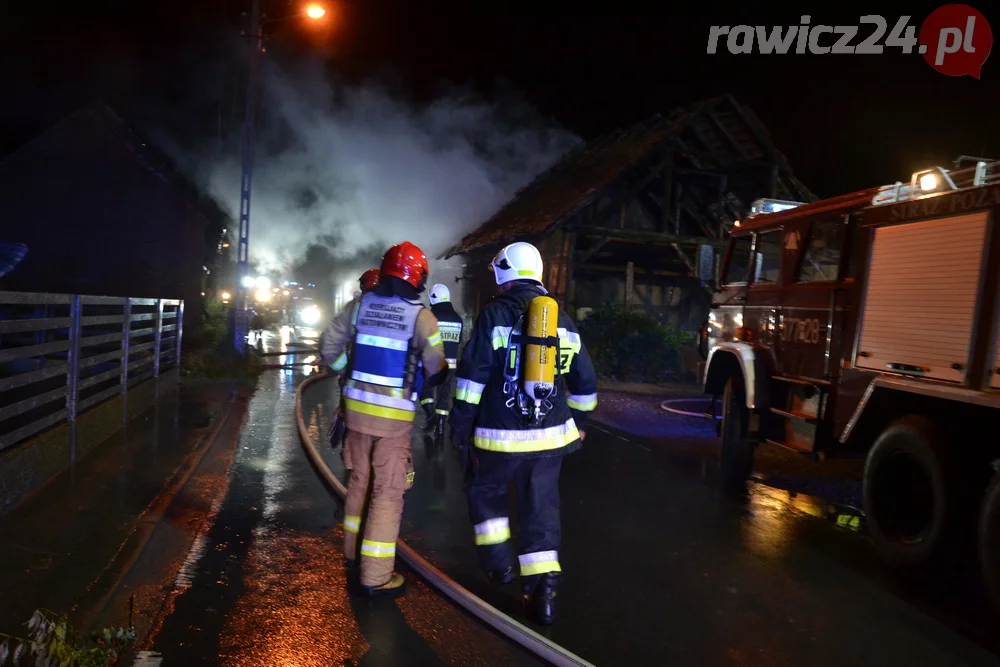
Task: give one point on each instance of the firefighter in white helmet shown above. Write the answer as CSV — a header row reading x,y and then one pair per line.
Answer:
x,y
525,386
450,324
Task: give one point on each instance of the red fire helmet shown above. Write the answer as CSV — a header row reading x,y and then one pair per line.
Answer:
x,y
369,279
408,262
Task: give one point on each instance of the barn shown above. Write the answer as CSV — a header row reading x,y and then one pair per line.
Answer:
x,y
622,218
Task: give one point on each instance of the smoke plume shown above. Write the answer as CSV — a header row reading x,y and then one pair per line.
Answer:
x,y
354,169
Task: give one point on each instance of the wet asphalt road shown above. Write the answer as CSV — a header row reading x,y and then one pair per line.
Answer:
x,y
660,568
265,584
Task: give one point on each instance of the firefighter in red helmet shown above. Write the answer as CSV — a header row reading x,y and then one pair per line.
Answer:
x,y
367,282
388,336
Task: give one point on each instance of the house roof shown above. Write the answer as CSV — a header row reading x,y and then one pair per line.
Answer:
x,y
99,117
713,134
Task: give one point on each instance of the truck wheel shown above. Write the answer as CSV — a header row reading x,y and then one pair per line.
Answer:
x,y
989,539
911,495
736,456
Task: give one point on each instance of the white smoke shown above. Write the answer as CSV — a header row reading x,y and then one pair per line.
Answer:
x,y
352,167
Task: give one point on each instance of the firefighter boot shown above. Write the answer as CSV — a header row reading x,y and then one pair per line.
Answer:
x,y
540,604
501,577
392,588
439,425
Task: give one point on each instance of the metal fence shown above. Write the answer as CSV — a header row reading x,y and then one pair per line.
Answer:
x,y
62,354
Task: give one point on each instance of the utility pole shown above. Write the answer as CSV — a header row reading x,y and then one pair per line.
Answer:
x,y
241,314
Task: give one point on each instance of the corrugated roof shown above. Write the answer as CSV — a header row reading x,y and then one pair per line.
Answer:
x,y
712,134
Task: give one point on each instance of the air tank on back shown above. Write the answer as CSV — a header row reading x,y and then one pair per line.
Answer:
x,y
541,354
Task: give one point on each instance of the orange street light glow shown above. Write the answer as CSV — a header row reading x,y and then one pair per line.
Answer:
x,y
315,12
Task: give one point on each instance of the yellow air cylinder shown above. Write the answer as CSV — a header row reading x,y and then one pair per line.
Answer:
x,y
539,361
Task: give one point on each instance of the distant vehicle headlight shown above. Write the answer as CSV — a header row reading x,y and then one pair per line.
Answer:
x,y
309,315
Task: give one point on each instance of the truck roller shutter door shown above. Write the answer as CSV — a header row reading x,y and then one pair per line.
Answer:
x,y
995,376
920,297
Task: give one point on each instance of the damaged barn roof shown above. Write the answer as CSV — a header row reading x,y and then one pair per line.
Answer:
x,y
714,134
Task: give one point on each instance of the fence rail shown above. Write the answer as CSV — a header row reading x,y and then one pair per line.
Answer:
x,y
62,354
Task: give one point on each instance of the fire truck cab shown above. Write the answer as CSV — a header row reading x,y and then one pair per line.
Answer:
x,y
868,325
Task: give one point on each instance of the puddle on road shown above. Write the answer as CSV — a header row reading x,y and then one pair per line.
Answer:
x,y
768,530
147,659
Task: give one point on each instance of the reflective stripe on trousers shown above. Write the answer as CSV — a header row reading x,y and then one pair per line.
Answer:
x,y
526,440
385,466
539,533
492,531
539,562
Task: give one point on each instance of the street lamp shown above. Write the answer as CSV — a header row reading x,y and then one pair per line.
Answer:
x,y
241,314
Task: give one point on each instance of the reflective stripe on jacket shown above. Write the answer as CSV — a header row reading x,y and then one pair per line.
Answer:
x,y
372,404
481,409
451,330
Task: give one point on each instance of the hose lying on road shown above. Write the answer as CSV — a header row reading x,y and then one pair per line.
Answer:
x,y
288,353
686,413
291,364
526,637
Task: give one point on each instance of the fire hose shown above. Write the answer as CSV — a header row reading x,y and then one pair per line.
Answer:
x,y
494,618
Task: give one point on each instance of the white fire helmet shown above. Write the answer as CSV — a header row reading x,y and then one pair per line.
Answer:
x,y
518,261
439,293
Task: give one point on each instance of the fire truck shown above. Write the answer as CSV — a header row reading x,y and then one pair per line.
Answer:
x,y
868,326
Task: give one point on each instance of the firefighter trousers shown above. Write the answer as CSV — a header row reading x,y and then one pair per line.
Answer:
x,y
437,400
539,534
384,464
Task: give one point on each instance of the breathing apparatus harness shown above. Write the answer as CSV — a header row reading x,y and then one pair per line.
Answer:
x,y
530,361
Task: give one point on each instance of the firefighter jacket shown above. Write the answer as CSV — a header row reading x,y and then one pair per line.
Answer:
x,y
481,412
379,342
450,324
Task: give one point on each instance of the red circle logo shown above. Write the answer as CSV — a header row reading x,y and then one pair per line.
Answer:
x,y
956,40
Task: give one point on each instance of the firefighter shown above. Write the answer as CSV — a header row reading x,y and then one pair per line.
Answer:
x,y
504,434
387,334
367,282
450,324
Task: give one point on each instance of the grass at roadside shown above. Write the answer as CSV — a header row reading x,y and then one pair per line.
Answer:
x,y
51,640
209,354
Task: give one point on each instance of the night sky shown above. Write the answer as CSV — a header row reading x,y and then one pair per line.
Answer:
x,y
845,122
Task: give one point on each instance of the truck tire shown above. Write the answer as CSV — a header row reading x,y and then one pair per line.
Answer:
x,y
989,540
911,495
736,454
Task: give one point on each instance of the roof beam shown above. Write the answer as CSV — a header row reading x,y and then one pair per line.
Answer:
x,y
700,136
591,251
710,173
639,271
637,236
729,137
759,133
690,153
690,265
